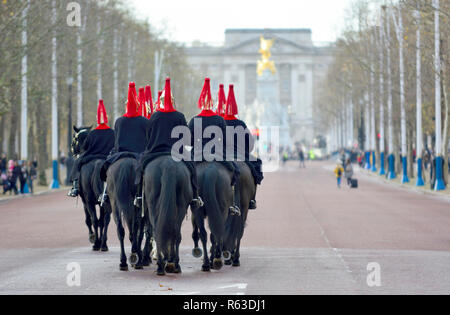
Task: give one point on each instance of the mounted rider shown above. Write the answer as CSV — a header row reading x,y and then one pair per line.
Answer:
x,y
131,134
199,124
160,141
241,150
97,145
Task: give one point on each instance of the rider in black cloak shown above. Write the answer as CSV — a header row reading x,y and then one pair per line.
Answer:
x,y
98,145
161,142
131,134
203,147
241,150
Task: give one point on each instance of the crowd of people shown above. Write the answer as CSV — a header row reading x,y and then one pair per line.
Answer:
x,y
17,176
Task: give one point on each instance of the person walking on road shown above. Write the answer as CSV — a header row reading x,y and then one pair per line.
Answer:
x,y
339,171
301,156
348,172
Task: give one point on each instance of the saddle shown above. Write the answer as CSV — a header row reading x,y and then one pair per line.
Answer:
x,y
112,158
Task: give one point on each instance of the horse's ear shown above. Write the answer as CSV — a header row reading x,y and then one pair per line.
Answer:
x,y
76,129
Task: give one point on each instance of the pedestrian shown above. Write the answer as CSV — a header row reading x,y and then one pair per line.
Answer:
x,y
32,176
23,178
339,172
348,172
16,173
301,156
3,164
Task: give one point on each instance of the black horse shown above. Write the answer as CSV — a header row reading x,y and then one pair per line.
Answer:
x,y
122,190
167,194
89,191
215,189
235,225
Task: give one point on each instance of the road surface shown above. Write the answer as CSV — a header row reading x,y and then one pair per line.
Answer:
x,y
306,237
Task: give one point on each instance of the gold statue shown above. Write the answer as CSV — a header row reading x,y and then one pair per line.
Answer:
x,y
265,62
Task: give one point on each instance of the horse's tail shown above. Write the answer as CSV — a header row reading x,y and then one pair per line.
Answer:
x,y
126,190
97,184
166,226
213,208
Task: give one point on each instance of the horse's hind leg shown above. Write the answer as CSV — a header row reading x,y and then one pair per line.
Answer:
x,y
146,259
237,254
94,220
105,222
204,238
196,252
121,235
177,255
89,225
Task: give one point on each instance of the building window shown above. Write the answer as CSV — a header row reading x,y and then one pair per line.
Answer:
x,y
285,84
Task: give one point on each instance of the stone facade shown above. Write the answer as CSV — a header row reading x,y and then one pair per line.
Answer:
x,y
300,68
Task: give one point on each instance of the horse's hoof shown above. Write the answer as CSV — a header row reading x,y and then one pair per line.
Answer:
x,y
236,264
228,262
226,255
160,272
177,269
206,268
170,268
217,263
146,262
197,252
133,258
138,267
92,238
123,267
96,249
105,249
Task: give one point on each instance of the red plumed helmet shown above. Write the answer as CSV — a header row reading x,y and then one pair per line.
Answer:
x,y
102,117
132,104
158,102
222,101
168,98
231,109
142,106
205,101
148,100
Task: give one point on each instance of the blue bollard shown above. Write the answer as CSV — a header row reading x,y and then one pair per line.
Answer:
x,y
374,160
419,181
391,174
367,160
405,178
55,183
382,170
439,185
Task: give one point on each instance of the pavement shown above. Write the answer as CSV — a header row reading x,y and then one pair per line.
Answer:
x,y
306,237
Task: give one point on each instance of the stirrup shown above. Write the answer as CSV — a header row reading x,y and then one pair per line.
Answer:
x,y
102,199
252,205
234,210
197,202
137,201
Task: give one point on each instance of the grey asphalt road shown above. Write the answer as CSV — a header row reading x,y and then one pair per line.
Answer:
x,y
306,237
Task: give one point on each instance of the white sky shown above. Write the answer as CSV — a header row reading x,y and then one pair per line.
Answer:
x,y
206,20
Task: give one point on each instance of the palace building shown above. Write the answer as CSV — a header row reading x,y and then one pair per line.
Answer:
x,y
300,68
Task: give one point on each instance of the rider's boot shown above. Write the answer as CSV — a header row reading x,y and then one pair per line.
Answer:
x,y
252,205
74,191
234,209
